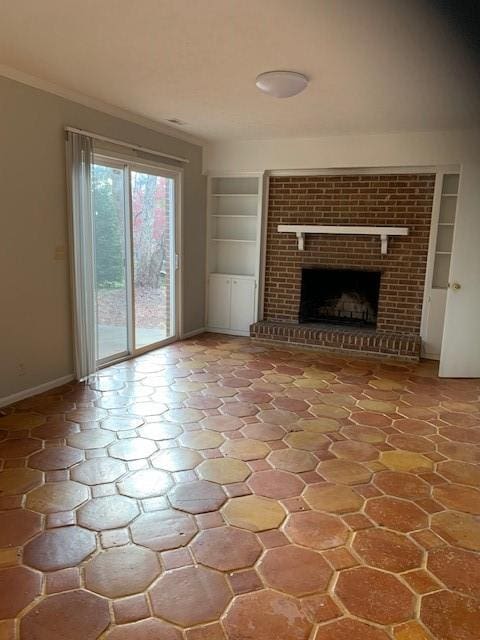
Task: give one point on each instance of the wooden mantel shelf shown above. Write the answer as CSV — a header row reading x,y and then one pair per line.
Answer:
x,y
300,230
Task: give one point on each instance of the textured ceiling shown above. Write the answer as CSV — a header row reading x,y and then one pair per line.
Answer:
x,y
375,65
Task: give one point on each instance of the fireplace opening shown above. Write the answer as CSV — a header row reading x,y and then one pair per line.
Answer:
x,y
339,296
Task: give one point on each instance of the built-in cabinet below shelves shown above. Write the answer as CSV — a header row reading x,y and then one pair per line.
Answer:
x,y
233,252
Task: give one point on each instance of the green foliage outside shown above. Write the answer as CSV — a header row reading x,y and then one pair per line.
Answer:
x,y
107,186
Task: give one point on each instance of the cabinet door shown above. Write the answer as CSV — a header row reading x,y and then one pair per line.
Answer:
x,y
219,294
242,304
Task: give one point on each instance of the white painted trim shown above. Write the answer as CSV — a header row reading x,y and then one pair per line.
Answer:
x,y
98,105
33,391
228,332
348,171
191,334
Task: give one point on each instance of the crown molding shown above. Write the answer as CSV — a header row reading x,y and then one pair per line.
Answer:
x,y
98,105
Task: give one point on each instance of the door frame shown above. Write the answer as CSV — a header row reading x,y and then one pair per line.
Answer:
x,y
128,164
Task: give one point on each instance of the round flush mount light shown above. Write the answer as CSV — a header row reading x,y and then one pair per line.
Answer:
x,y
281,84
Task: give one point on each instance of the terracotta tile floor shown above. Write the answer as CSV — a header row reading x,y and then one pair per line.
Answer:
x,y
218,489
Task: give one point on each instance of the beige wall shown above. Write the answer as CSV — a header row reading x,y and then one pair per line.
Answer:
x,y
35,320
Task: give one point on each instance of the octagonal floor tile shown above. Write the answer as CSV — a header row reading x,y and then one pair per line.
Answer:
x,y
222,423
190,596
98,471
254,513
263,431
202,439
344,471
307,440
245,449
122,423
240,409
121,571
319,425
176,459
54,458
402,485
182,416
132,449
57,496
87,414
276,484
19,586
396,514
459,451
160,430
459,529
19,447
316,530
278,416
15,421
226,548
333,498
264,615
414,427
370,419
406,461
355,451
459,570
348,629
76,615
458,497
91,439
108,512
198,496
224,470
17,526
374,595
148,629
162,530
292,460
145,483
14,482
406,442
56,549
295,570
368,435
450,616
387,550
461,472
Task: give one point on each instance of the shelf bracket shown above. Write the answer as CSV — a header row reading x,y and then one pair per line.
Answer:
x,y
384,245
301,240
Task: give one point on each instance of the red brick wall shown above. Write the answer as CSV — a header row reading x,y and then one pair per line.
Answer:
x,y
394,200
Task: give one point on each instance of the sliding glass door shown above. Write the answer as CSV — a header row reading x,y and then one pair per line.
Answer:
x,y
135,257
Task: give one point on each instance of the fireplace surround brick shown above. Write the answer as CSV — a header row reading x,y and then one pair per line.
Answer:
x,y
369,200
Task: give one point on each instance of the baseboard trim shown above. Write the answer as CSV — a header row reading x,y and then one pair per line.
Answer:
x,y
33,391
191,334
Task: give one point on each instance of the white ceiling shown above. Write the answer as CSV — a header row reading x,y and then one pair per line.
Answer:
x,y
375,65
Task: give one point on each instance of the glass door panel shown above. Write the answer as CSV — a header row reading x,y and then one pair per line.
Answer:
x,y
108,194
153,239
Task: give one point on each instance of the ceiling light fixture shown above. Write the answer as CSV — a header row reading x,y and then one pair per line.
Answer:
x,y
281,84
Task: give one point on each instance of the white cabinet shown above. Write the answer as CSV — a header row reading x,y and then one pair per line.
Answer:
x,y
219,296
242,304
231,304
233,251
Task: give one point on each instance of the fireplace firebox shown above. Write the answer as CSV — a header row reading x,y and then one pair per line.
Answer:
x,y
339,296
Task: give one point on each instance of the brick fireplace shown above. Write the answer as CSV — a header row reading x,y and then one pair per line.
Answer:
x,y
398,200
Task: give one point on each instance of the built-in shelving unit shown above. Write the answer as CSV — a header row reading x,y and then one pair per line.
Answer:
x,y
445,228
438,272
233,251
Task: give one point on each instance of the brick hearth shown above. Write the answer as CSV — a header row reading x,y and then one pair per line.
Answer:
x,y
332,338
373,200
